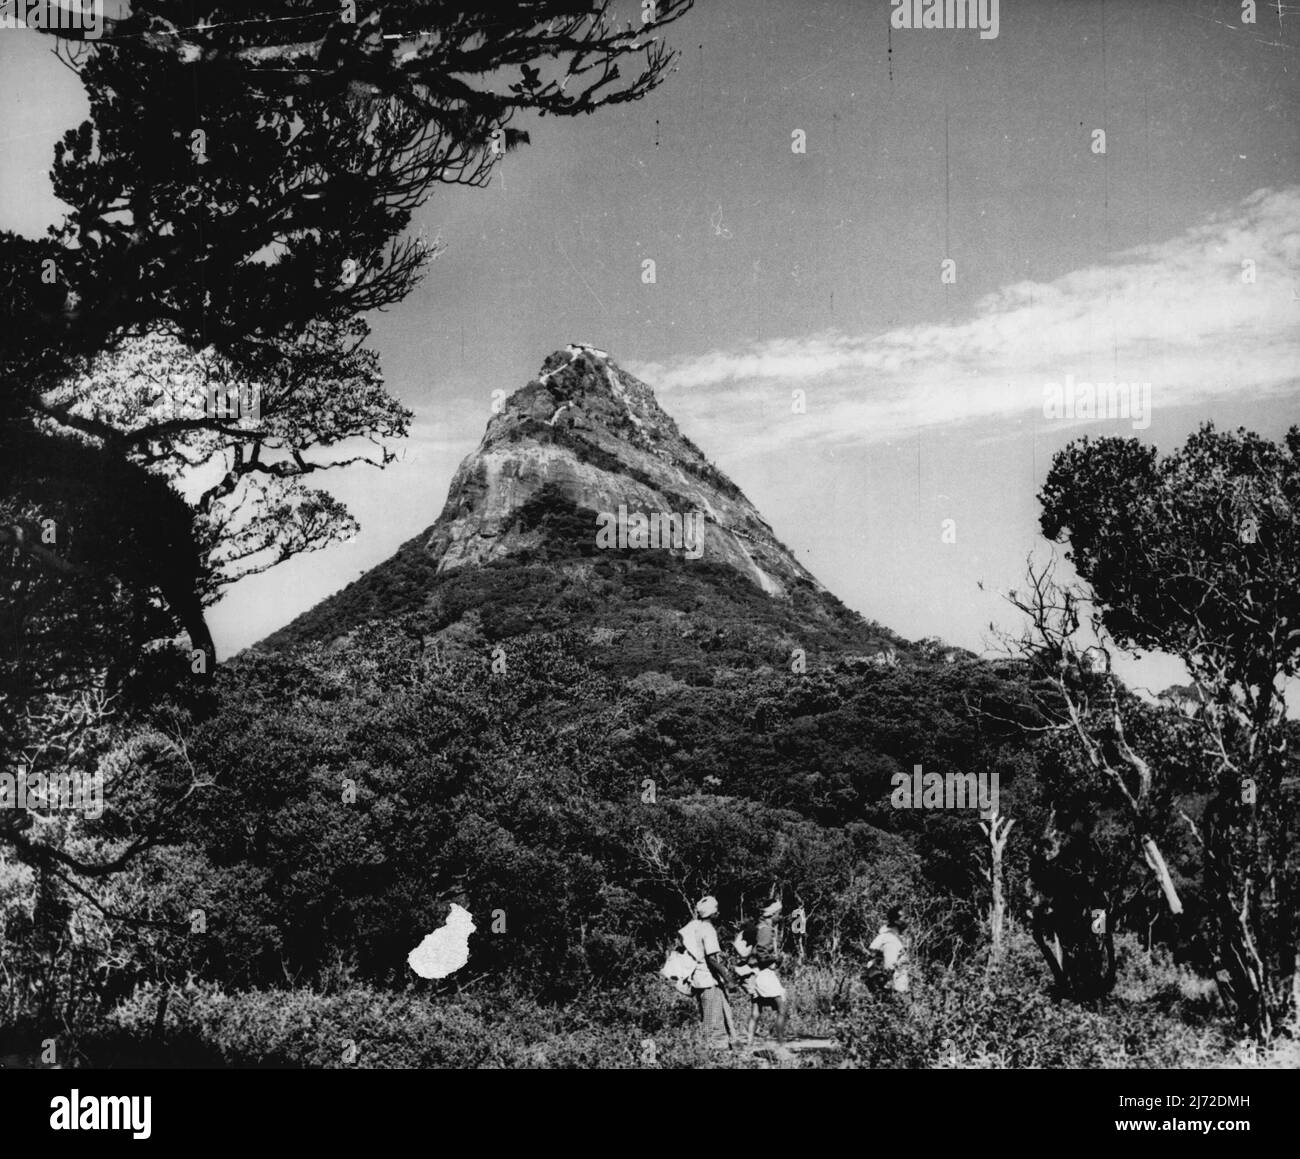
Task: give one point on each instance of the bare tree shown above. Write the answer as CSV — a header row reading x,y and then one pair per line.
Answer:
x,y
1087,700
996,830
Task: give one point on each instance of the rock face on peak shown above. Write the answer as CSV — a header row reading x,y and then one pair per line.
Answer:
x,y
585,508
598,439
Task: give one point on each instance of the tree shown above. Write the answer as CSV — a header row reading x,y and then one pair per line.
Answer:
x,y
996,830
239,197
242,181
189,415
240,178
1196,555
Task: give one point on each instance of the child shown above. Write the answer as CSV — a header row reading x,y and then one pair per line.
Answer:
x,y
888,967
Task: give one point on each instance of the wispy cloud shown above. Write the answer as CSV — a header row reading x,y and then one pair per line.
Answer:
x,y
1177,314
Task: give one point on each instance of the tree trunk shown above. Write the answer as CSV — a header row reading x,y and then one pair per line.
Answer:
x,y
1157,863
996,829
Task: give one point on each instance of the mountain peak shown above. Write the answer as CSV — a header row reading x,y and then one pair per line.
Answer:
x,y
582,387
581,448
598,439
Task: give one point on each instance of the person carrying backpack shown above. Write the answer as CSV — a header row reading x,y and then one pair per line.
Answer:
x,y
710,978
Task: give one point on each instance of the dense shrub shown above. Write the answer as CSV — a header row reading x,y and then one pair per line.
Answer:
x,y
362,1027
963,1017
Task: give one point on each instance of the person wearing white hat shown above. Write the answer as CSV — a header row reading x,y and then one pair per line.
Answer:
x,y
699,939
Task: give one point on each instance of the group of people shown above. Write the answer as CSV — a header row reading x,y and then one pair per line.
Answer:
x,y
756,968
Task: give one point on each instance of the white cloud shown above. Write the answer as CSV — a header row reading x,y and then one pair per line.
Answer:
x,y
1175,314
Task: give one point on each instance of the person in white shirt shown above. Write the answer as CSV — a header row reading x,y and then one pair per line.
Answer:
x,y
889,953
710,978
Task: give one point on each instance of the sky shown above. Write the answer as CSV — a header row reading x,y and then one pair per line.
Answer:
x,y
822,272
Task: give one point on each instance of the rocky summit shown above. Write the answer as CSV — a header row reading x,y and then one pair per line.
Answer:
x,y
599,439
584,506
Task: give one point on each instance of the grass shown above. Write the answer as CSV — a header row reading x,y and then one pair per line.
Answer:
x,y
971,1016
